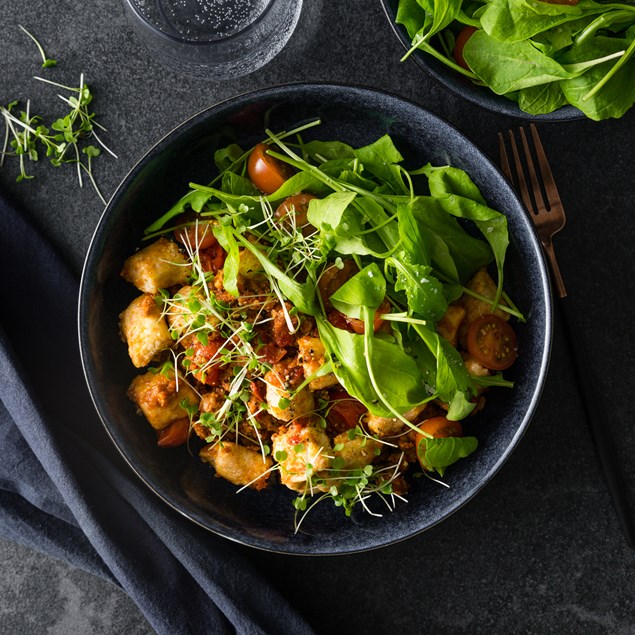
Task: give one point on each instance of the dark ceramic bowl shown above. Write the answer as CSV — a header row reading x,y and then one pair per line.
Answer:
x,y
265,520
463,87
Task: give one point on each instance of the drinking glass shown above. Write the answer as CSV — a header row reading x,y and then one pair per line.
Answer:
x,y
214,39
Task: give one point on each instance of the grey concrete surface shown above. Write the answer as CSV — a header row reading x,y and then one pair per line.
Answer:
x,y
539,550
39,595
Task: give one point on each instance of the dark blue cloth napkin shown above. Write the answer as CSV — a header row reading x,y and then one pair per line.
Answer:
x,y
64,489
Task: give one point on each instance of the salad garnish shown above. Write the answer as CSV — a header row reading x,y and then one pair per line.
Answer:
x,y
311,306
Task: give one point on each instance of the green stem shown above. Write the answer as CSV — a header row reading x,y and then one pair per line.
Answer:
x,y
625,57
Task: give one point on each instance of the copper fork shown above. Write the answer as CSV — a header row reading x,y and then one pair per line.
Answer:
x,y
549,218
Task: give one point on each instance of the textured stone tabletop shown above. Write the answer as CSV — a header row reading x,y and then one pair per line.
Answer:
x,y
539,550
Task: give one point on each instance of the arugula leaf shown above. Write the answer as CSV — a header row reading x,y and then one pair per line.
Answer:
x,y
326,213
423,291
367,288
225,237
399,379
381,159
454,252
194,199
439,453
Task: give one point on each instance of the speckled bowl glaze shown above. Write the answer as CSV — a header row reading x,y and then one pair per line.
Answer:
x,y
266,520
462,87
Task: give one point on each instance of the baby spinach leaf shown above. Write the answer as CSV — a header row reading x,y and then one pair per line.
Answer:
x,y
517,20
543,99
451,375
617,95
446,179
299,182
510,66
301,294
237,184
227,157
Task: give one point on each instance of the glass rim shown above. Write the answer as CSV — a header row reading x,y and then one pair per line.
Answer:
x,y
132,5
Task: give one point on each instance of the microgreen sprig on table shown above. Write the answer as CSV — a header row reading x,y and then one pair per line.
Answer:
x,y
66,140
47,62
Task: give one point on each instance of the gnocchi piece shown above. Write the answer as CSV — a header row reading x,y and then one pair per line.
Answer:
x,y
474,368
301,452
159,398
482,284
144,329
448,325
157,266
357,452
248,264
311,354
281,401
391,426
238,464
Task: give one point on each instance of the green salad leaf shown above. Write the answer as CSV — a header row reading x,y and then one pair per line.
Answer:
x,y
540,54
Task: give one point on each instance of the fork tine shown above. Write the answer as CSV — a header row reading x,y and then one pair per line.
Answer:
x,y
502,150
553,196
522,183
535,184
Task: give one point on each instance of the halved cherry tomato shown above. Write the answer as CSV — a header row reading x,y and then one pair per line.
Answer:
x,y
344,411
196,236
358,325
204,356
461,39
298,206
492,342
333,278
439,428
175,434
212,258
266,172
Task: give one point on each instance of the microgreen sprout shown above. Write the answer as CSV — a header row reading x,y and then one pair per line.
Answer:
x,y
65,141
46,61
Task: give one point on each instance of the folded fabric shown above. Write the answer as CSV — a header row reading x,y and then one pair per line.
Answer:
x,y
65,490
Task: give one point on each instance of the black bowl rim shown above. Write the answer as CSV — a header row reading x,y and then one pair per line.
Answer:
x,y
294,87
485,99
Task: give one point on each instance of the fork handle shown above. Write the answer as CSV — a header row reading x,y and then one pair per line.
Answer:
x,y
556,276
596,417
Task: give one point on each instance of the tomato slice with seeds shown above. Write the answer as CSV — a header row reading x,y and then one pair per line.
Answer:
x,y
266,172
492,342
